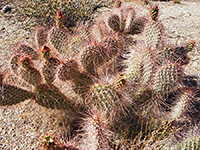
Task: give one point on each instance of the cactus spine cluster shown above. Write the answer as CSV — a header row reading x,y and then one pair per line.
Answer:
x,y
150,77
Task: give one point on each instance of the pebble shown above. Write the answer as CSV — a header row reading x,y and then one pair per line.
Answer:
x,y
6,9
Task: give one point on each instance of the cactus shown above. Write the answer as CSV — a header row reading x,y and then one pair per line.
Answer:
x,y
58,39
154,12
150,83
69,71
193,143
167,78
95,134
92,57
104,97
50,66
114,22
125,21
79,39
41,37
147,67
28,73
154,30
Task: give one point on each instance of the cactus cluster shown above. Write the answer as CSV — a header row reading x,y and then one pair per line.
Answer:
x,y
113,76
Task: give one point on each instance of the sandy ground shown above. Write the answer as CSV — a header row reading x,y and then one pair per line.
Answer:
x,y
23,125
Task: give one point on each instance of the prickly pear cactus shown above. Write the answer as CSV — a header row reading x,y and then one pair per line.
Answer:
x,y
151,82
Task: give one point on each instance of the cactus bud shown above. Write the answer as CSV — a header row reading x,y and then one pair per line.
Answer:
x,y
59,19
190,46
118,3
25,61
45,51
154,12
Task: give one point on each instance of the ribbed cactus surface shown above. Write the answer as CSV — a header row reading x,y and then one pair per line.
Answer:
x,y
167,78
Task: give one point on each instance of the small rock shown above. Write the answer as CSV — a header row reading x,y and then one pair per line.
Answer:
x,y
6,9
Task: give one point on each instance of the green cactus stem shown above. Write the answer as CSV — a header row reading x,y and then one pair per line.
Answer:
x,y
167,78
147,67
153,33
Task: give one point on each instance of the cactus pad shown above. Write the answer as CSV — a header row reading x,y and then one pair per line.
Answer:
x,y
49,69
153,34
104,97
41,37
28,51
180,107
147,67
69,71
78,40
32,76
14,63
92,57
58,39
167,78
114,23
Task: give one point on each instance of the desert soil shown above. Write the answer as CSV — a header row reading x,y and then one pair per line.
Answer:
x,y
23,125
